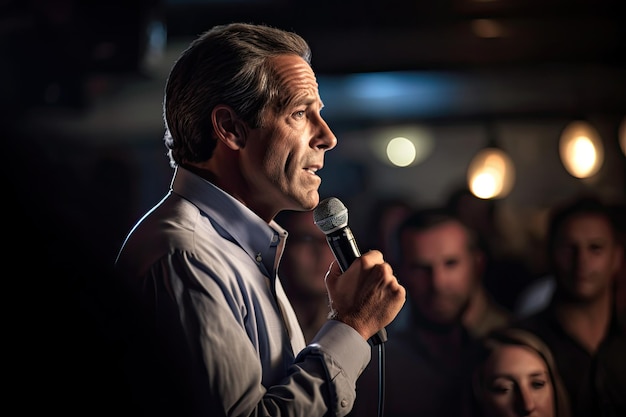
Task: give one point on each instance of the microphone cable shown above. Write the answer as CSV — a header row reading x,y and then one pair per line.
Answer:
x,y
381,379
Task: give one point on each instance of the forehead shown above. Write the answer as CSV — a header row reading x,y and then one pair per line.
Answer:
x,y
514,359
295,77
587,226
450,234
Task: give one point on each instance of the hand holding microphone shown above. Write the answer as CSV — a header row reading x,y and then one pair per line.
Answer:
x,y
365,294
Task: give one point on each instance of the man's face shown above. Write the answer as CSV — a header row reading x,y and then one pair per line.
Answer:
x,y
307,256
586,256
439,270
280,160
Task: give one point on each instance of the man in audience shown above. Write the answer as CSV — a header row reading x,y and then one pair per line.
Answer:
x,y
507,271
580,324
428,362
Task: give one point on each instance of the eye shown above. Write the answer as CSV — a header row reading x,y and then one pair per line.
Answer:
x,y
500,386
499,389
538,384
419,268
596,248
451,263
299,114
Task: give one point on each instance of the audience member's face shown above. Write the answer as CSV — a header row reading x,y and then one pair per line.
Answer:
x,y
306,258
389,220
516,382
439,271
586,256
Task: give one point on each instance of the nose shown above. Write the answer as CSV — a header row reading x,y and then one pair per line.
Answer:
x,y
582,256
437,278
325,138
525,403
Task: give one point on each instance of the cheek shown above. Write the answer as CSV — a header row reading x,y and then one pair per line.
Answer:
x,y
563,259
416,284
462,280
545,402
611,264
497,405
272,161
259,161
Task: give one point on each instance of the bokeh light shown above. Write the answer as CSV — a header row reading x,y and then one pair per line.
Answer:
x,y
401,151
402,145
581,149
491,174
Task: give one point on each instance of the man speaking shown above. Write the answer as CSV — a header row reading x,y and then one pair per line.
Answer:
x,y
216,335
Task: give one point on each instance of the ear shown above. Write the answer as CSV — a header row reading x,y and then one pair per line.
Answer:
x,y
229,128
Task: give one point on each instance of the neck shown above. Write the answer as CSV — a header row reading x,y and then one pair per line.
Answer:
x,y
222,174
473,315
443,344
586,321
440,329
203,172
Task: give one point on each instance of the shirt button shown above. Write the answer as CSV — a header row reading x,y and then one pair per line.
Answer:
x,y
258,257
344,403
274,238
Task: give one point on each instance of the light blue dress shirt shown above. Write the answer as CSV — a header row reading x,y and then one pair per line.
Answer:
x,y
205,269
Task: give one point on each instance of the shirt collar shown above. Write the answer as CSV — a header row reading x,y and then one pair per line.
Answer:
x,y
231,218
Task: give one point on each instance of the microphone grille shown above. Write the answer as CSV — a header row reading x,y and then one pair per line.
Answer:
x,y
330,215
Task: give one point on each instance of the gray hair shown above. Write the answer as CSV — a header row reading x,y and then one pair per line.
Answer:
x,y
231,65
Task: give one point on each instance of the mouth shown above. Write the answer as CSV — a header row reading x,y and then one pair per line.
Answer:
x,y
312,169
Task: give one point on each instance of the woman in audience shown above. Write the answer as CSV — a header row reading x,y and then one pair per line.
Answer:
x,y
515,375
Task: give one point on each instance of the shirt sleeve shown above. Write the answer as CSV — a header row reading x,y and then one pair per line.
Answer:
x,y
199,359
345,355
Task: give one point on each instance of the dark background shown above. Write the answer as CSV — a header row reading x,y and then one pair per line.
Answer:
x,y
80,99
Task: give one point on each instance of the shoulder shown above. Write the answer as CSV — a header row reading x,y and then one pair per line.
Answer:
x,y
173,226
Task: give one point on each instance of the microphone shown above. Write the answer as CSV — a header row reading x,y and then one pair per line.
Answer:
x,y
331,216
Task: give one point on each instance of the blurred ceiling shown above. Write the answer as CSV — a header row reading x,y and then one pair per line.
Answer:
x,y
369,35
454,58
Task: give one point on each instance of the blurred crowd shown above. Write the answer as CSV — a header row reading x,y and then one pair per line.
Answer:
x,y
482,335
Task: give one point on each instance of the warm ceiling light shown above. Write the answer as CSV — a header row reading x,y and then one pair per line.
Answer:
x,y
581,149
491,174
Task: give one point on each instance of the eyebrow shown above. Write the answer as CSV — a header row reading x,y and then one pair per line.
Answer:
x,y
508,375
305,100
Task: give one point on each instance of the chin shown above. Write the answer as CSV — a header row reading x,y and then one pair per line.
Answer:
x,y
311,200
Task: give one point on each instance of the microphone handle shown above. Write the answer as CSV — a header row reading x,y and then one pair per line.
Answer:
x,y
343,245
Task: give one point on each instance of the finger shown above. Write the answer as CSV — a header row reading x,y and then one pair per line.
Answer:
x,y
371,258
